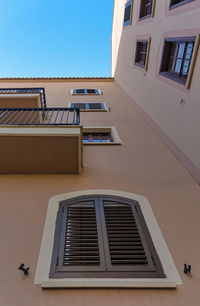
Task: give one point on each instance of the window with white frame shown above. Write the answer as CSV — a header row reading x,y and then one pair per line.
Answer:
x,y
85,91
89,106
98,135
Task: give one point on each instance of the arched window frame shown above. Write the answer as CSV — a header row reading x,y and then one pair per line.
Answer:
x,y
42,277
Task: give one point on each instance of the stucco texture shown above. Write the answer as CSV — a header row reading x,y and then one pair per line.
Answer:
x,y
143,164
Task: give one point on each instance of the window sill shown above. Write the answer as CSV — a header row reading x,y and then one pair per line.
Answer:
x,y
85,94
180,4
145,17
101,143
127,23
108,283
139,65
93,110
173,77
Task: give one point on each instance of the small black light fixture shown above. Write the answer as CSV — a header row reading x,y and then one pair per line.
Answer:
x,y
22,268
187,269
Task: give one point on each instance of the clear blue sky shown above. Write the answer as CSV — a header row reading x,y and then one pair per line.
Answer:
x,y
55,38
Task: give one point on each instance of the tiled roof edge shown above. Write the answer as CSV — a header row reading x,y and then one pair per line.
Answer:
x,y
60,78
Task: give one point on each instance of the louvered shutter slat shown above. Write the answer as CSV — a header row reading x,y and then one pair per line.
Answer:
x,y
80,251
77,234
130,254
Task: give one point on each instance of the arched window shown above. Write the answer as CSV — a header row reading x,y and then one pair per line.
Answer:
x,y
103,236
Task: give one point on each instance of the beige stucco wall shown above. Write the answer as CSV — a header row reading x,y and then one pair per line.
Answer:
x,y
143,164
159,97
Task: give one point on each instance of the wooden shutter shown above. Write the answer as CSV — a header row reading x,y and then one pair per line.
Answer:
x,y
101,237
78,241
124,237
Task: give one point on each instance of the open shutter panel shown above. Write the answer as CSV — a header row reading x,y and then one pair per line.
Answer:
x,y
124,238
80,247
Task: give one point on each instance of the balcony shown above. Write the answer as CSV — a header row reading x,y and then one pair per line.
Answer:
x,y
40,141
22,97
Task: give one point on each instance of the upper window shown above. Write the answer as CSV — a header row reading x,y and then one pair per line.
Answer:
x,y
102,236
128,13
90,106
177,57
146,8
100,135
85,91
176,3
141,52
93,137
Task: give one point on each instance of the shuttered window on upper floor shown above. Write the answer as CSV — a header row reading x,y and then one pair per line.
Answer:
x,y
85,91
103,237
90,106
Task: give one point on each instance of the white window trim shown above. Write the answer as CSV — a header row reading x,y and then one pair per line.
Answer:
x,y
105,109
72,93
44,261
105,129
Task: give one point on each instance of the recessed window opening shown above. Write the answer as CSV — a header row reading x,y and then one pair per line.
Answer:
x,y
89,106
177,3
141,52
146,8
128,13
85,91
103,236
102,137
177,58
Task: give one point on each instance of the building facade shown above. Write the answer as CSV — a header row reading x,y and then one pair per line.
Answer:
x,y
94,200
170,75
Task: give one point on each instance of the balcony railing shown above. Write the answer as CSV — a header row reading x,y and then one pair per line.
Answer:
x,y
39,116
18,91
